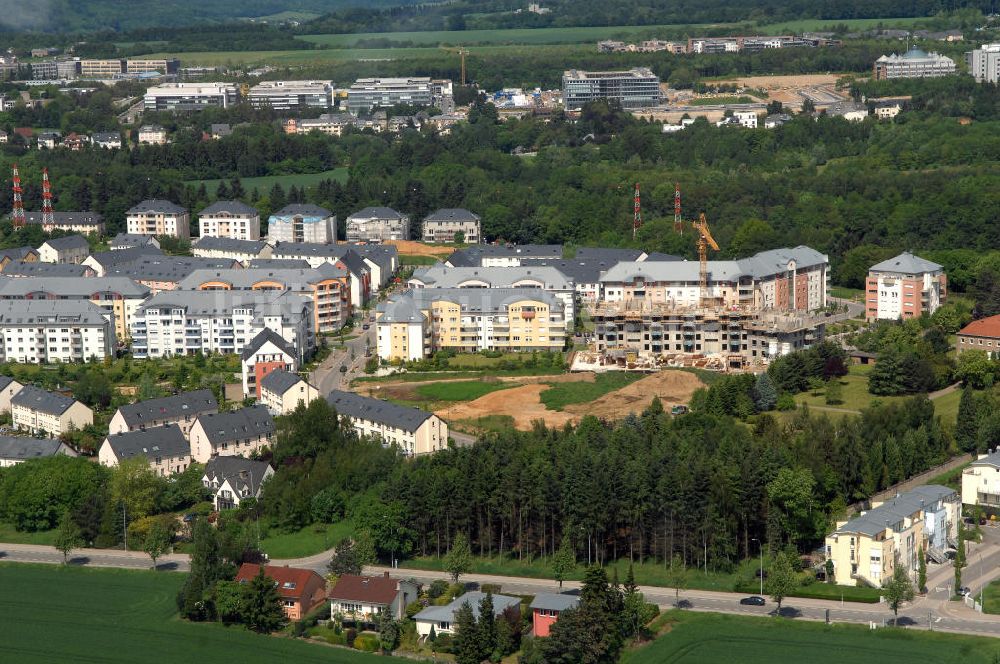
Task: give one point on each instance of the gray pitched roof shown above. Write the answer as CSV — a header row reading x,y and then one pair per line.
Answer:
x,y
165,441
581,271
168,268
477,299
122,257
186,403
658,256
278,263
20,312
211,243
68,242
310,249
66,218
992,460
555,601
229,207
239,471
39,269
473,256
304,209
106,136
401,310
237,425
895,509
17,253
280,381
41,400
608,254
125,240
296,279
22,449
5,381
265,335
71,287
759,265
375,410
474,598
906,263
374,212
156,205
452,214
442,276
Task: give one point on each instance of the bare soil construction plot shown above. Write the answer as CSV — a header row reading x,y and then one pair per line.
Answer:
x,y
791,90
411,248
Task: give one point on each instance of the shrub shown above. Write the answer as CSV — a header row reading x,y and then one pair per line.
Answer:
x,y
349,636
336,639
456,589
366,642
443,643
438,588
298,628
786,402
413,608
491,588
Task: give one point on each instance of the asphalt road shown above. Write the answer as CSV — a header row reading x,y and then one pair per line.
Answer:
x,y
327,376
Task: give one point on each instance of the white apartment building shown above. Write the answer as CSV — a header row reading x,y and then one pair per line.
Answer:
x,y
152,135
40,412
291,95
299,222
157,217
981,481
229,219
235,433
190,96
189,322
905,286
443,225
377,224
42,331
415,431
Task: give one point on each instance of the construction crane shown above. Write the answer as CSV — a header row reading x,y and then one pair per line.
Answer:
x,y
705,240
637,213
678,222
462,52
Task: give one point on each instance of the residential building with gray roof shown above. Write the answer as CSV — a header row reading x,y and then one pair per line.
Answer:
x,y
232,479
240,432
42,331
39,411
413,431
229,219
164,448
443,225
16,449
299,222
377,224
180,409
159,217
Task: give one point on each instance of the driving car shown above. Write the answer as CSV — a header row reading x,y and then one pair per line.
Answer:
x,y
753,600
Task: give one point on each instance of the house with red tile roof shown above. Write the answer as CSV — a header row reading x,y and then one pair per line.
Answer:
x,y
362,598
982,334
301,590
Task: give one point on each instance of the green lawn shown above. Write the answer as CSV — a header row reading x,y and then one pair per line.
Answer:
x,y
819,24
306,542
846,293
71,614
561,395
408,259
690,638
714,101
264,183
485,423
464,390
991,597
952,478
11,536
855,392
946,406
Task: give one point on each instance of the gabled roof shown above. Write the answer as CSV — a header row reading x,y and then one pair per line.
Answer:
x,y
442,276
229,207
875,520
401,310
368,589
186,403
17,253
35,398
67,218
581,271
39,269
984,327
303,209
278,263
265,335
149,267
165,441
991,460
5,381
122,257
608,254
375,213
236,425
67,242
291,582
447,613
156,205
128,240
71,287
376,410
555,601
22,449
280,381
212,243
906,263
242,474
451,214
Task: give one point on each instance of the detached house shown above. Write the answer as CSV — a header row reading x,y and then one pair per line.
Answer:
x,y
38,411
233,479
165,449
301,590
363,598
442,618
238,433
545,610
180,409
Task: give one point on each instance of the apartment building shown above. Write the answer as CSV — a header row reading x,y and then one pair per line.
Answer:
x,y
190,96
545,278
178,410
229,219
510,255
982,334
915,63
243,251
981,481
281,392
189,322
18,449
342,256
291,95
43,331
418,323
867,548
905,286
367,94
41,412
984,63
71,222
236,433
8,388
152,134
300,222
635,88
232,480
382,261
413,430
265,353
165,449
162,273
72,249
333,124
39,269
116,297
377,224
443,226
129,241
159,217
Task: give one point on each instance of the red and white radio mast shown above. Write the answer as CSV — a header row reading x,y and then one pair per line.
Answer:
x,y
17,215
48,219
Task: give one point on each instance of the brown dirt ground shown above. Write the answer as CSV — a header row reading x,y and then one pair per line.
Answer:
x,y
672,387
785,88
411,248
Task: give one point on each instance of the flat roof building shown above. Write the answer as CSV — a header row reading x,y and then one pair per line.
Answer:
x,y
190,96
367,94
635,88
291,95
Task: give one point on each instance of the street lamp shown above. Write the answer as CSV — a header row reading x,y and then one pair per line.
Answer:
x,y
761,546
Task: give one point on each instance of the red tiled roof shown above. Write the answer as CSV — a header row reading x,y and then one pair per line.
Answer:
x,y
985,327
292,581
372,589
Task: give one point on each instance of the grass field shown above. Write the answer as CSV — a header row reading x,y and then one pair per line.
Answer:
x,y
814,24
561,395
8,534
714,101
691,638
465,390
264,183
71,614
846,293
409,259
991,597
306,542
952,478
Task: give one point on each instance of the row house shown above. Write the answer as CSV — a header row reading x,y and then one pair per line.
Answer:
x,y
39,411
67,249
86,223
180,410
233,479
243,251
414,431
242,432
18,449
165,449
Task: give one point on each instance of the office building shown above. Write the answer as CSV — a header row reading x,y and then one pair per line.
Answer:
x,y
190,96
984,63
300,222
158,217
291,95
101,69
229,219
635,88
169,66
915,63
905,286
367,94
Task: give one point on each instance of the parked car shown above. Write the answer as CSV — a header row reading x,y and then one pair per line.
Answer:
x,y
678,410
964,591
753,600
365,326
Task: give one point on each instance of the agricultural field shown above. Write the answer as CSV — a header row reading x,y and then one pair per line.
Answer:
x,y
309,540
689,638
71,614
264,183
819,24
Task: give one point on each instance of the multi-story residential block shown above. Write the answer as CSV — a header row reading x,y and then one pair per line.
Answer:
x,y
981,481
189,322
72,222
302,223
164,273
179,410
982,334
152,134
158,217
984,63
101,69
382,260
340,255
104,261
229,219
915,63
365,598
8,388
367,94
243,251
442,226
236,433
233,479
39,269
377,224
327,286
67,249
291,95
116,297
18,449
905,286
635,88
165,449
265,353
190,96
511,255
413,430
867,548
418,323
42,331
545,278
40,412
281,392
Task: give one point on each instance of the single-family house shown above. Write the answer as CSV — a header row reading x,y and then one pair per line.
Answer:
x,y
363,598
233,479
301,590
442,618
237,433
545,610
165,449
